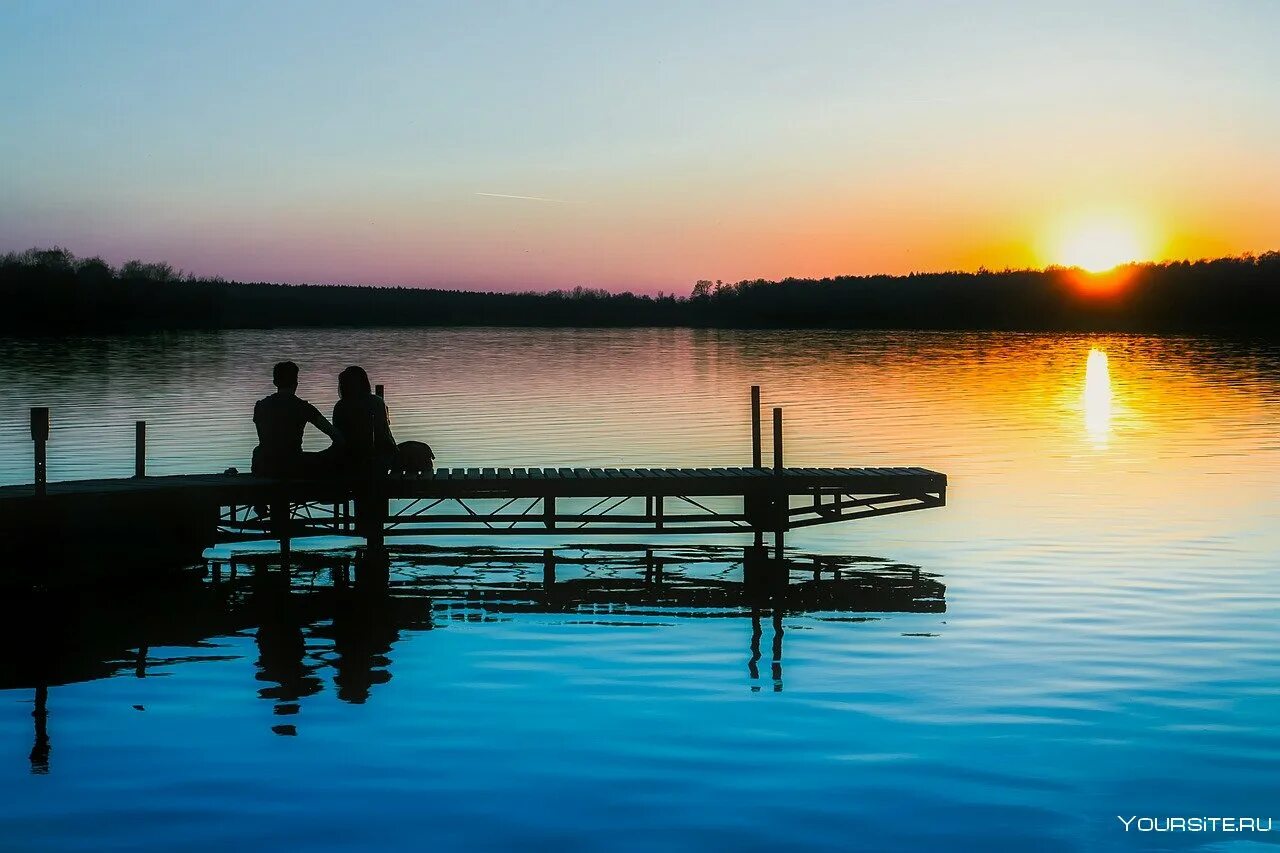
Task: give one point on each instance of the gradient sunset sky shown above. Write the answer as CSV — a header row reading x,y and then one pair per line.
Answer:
x,y
634,146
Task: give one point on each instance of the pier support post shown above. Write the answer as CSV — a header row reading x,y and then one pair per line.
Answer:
x,y
40,435
280,521
379,509
549,512
286,545
755,427
781,503
379,389
777,439
140,449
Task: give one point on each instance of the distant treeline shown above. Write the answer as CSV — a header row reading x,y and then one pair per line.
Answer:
x,y
50,291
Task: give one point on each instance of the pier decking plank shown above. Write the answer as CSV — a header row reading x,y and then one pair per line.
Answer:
x,y
531,482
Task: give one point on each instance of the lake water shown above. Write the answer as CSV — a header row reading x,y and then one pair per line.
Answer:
x,y
1090,628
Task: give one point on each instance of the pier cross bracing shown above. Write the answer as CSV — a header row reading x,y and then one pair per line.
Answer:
x,y
200,510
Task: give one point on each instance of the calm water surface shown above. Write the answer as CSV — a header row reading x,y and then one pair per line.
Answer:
x,y
1091,628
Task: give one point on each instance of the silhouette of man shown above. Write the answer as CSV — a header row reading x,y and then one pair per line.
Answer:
x,y
281,420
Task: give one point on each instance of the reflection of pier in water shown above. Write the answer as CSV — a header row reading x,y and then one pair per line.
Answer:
x,y
695,582
339,616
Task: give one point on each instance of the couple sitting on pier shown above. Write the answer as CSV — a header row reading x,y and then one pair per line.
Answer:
x,y
363,445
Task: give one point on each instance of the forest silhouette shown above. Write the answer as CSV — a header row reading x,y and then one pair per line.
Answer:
x,y
51,291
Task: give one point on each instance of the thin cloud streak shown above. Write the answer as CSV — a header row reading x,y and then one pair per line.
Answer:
x,y
526,197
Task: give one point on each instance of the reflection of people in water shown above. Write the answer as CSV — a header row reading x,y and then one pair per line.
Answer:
x,y
363,630
282,645
281,419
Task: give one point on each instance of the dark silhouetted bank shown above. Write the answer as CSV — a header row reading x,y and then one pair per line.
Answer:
x,y
50,291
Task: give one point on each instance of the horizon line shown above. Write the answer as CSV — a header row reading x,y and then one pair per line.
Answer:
x,y
516,289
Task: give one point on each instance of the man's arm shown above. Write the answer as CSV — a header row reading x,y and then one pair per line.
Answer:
x,y
321,423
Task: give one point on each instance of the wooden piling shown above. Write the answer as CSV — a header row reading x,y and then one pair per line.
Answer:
x,y
755,427
378,389
140,449
280,521
40,435
777,440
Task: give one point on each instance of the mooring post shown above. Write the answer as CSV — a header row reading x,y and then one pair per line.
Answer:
x,y
140,449
781,502
40,435
777,440
378,389
755,426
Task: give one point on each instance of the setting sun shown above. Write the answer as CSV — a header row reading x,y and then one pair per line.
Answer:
x,y
1097,245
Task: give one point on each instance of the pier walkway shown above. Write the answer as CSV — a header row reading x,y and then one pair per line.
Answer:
x,y
200,510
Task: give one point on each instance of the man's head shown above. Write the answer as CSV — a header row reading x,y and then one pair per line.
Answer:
x,y
285,376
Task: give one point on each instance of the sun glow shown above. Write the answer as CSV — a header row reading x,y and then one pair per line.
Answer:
x,y
1097,245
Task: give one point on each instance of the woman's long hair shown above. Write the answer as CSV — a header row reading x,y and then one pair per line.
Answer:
x,y
354,382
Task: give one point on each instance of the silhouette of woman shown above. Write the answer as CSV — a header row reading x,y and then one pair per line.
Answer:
x,y
368,446
364,423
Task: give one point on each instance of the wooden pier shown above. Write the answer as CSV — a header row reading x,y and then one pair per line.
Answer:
x,y
196,511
